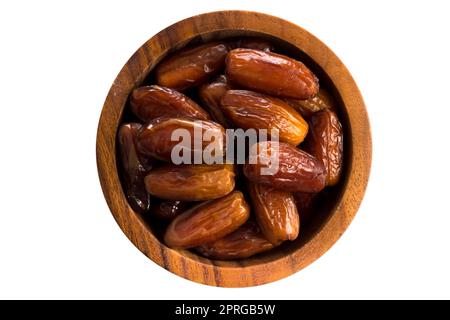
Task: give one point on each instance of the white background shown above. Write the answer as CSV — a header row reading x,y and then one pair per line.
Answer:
x,y
57,236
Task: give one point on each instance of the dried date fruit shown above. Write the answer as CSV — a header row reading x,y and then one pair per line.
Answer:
x,y
248,109
275,212
251,43
159,138
271,73
134,166
198,201
208,221
191,66
168,209
211,94
323,100
190,182
305,204
287,168
151,102
245,242
326,143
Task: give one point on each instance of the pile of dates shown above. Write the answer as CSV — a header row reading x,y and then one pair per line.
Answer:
x,y
228,211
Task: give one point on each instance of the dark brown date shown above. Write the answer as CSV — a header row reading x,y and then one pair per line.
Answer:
x,y
155,139
326,143
271,73
276,213
245,242
208,221
191,66
168,209
305,205
134,166
211,94
294,171
248,109
190,182
251,43
151,102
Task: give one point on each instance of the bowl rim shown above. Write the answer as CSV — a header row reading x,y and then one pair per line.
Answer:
x,y
184,263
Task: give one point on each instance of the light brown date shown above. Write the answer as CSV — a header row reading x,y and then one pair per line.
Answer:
x,y
290,169
245,242
190,182
134,166
151,102
157,139
248,109
208,221
305,204
251,43
271,73
191,66
168,209
276,213
211,94
326,143
323,100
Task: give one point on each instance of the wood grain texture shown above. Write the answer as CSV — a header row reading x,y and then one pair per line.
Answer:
x,y
283,261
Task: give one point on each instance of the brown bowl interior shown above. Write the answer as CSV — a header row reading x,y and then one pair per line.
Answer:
x,y
327,199
337,205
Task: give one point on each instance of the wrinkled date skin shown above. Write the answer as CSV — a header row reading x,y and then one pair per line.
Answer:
x,y
305,204
298,171
326,143
168,209
276,213
271,73
190,182
245,242
191,66
251,43
155,139
208,221
211,94
134,166
151,102
248,109
323,100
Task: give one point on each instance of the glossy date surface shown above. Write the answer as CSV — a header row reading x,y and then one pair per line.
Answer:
x,y
297,170
151,102
245,242
271,73
275,212
326,143
158,138
248,109
134,167
191,66
208,221
190,182
211,94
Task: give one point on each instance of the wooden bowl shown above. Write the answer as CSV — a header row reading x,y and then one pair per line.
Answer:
x,y
337,207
